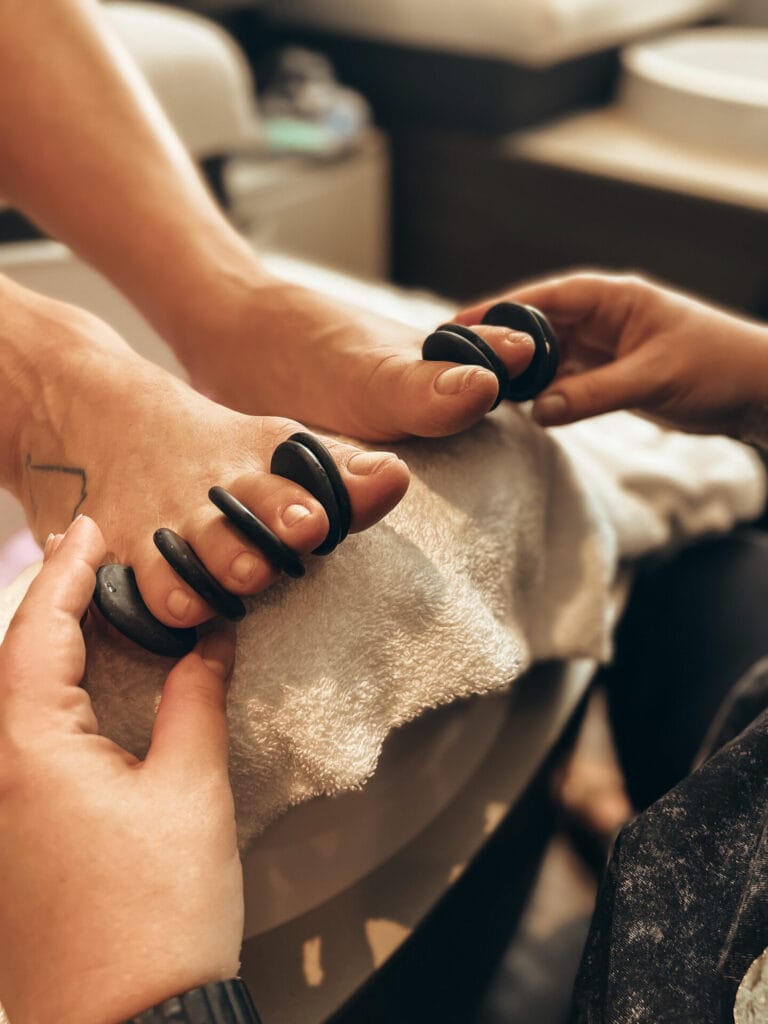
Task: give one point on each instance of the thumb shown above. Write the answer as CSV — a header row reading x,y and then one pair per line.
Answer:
x,y
623,384
190,732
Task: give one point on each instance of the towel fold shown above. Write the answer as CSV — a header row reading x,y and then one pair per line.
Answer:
x,y
502,553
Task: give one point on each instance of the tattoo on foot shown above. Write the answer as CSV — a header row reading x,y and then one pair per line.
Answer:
x,y
50,468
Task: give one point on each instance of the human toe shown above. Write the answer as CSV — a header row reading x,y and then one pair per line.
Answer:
x,y
374,481
202,567
515,348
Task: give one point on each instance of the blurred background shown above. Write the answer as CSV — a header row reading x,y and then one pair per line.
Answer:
x,y
460,147
513,137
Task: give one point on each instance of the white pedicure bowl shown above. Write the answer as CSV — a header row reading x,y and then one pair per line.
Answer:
x,y
707,87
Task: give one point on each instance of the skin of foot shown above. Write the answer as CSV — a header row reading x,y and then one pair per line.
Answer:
x,y
262,345
91,427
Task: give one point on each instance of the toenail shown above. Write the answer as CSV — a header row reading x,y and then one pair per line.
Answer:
x,y
243,567
365,463
457,379
178,603
294,514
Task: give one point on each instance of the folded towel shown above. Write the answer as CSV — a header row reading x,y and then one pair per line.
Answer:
x,y
662,487
502,553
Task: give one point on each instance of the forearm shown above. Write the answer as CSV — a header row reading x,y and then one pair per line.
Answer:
x,y
87,153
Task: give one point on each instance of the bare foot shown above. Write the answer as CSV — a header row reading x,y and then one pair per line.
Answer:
x,y
264,346
99,430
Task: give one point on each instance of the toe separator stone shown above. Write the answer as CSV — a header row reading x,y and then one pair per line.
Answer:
x,y
278,554
118,599
543,367
188,566
454,343
306,461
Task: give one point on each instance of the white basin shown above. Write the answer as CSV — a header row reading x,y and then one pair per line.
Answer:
x,y
705,87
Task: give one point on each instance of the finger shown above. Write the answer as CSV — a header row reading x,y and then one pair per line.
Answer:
x,y
603,300
44,635
190,733
624,384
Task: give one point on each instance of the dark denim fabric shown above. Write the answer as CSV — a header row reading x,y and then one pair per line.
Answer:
x,y
683,909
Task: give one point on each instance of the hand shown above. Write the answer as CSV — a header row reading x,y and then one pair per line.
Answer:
x,y
630,344
121,883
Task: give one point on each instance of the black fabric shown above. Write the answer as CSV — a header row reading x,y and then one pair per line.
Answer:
x,y
683,909
694,624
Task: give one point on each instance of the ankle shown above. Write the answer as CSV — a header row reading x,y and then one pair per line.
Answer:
x,y
201,291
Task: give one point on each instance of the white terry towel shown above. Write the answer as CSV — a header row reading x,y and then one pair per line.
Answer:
x,y
502,553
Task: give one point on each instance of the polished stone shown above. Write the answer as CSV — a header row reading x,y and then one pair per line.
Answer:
x,y
118,599
278,554
188,566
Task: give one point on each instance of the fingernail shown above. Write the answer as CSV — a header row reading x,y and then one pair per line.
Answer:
x,y
550,409
218,652
243,567
177,603
366,463
457,379
52,545
294,514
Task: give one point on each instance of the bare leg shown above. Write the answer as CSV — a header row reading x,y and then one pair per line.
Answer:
x,y
88,154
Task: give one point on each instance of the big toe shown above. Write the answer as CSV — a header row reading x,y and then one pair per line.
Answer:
x,y
374,480
432,399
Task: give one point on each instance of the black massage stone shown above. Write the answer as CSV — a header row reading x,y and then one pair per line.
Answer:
x,y
185,562
118,599
325,459
297,462
279,555
454,343
543,366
